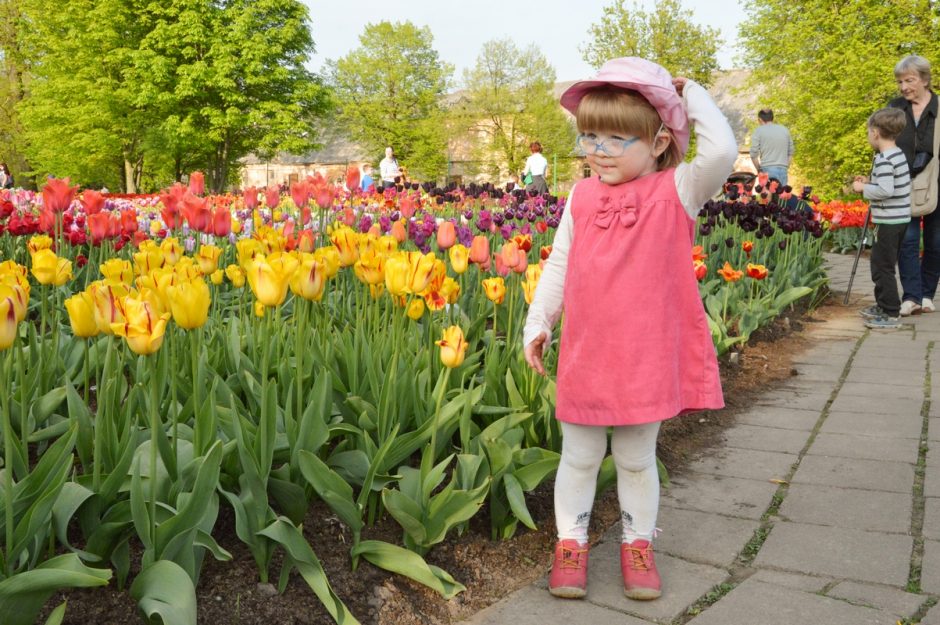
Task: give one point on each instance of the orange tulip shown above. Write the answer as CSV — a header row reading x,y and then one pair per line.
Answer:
x,y
700,269
698,253
747,246
480,250
446,235
398,231
729,273
495,289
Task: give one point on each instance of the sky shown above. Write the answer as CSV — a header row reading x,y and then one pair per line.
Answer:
x,y
461,27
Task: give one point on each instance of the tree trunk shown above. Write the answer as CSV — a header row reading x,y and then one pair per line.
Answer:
x,y
130,179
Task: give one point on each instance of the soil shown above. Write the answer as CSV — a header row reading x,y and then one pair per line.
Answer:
x,y
229,592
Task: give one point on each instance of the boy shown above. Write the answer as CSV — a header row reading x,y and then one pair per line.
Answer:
x,y
889,192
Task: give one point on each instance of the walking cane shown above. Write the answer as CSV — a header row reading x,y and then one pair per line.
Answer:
x,y
858,254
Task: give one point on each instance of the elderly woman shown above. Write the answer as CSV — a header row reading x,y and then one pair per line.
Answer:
x,y
919,275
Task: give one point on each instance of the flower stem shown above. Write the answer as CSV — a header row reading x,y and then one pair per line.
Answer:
x,y
8,465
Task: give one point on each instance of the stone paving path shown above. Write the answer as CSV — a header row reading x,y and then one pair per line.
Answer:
x,y
822,506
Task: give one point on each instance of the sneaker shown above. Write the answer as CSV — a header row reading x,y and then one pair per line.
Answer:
x,y
568,578
883,323
909,308
640,577
872,312
926,305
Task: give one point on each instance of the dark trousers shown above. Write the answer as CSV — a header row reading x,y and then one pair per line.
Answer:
x,y
884,258
919,274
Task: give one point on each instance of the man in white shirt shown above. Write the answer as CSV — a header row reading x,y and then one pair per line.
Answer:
x,y
536,165
388,169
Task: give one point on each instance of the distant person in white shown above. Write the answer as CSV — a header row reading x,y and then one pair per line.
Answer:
x,y
388,169
536,165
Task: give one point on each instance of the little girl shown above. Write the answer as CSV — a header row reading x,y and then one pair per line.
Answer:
x,y
635,348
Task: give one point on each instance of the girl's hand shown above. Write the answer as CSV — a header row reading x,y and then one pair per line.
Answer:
x,y
533,353
679,83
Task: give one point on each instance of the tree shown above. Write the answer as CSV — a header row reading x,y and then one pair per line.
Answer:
x,y
508,102
824,67
131,90
668,35
389,92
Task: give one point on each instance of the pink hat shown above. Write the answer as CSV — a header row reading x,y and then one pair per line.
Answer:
x,y
652,81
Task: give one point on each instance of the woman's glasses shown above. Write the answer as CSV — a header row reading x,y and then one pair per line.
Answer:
x,y
611,146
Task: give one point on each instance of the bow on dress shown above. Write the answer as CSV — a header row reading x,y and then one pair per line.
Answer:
x,y
622,210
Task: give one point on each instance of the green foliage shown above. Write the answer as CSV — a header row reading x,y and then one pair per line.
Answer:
x,y
828,66
389,93
507,104
126,92
667,36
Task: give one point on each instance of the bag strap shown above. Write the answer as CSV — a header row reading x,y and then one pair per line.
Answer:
x,y
936,138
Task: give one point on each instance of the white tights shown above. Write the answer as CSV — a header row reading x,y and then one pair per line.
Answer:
x,y
583,447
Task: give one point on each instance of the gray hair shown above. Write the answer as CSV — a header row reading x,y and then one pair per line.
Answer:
x,y
913,64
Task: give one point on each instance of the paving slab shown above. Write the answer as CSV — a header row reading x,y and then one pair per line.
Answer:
x,y
879,389
889,405
915,366
780,417
932,617
861,374
534,606
755,602
747,463
932,472
683,583
878,425
723,495
826,373
791,399
932,518
795,581
897,602
930,569
896,477
863,446
838,552
848,507
765,439
715,539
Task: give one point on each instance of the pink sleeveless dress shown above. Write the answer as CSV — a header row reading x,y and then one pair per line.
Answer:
x,y
635,343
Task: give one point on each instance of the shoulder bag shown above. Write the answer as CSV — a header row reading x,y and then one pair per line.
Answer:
x,y
924,186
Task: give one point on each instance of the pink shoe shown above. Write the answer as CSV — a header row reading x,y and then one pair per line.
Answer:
x,y
568,579
640,577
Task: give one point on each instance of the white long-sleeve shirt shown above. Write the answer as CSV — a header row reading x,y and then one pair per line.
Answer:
x,y
696,182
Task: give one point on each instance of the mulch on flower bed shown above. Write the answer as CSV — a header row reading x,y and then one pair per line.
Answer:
x,y
229,592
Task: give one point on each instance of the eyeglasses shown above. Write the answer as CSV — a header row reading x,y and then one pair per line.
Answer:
x,y
611,146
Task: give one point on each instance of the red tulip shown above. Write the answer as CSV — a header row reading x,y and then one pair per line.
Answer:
x,y
128,222
250,195
98,226
93,201
6,209
57,195
300,193
272,196
197,183
352,178
221,222
46,221
196,211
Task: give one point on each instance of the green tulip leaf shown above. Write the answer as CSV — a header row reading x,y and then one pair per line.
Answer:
x,y
165,594
404,562
23,595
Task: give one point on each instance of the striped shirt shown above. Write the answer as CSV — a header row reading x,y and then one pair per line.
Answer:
x,y
890,188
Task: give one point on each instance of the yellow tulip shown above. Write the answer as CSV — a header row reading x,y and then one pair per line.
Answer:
x,y
376,291
109,303
370,268
329,256
415,308
187,269
49,269
450,290
495,289
269,277
259,309
157,303
421,271
236,276
171,250
81,309
346,241
208,258
309,281
12,288
217,277
118,270
386,244
459,258
38,242
396,274
147,259
189,302
143,328
248,249
453,347
8,322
